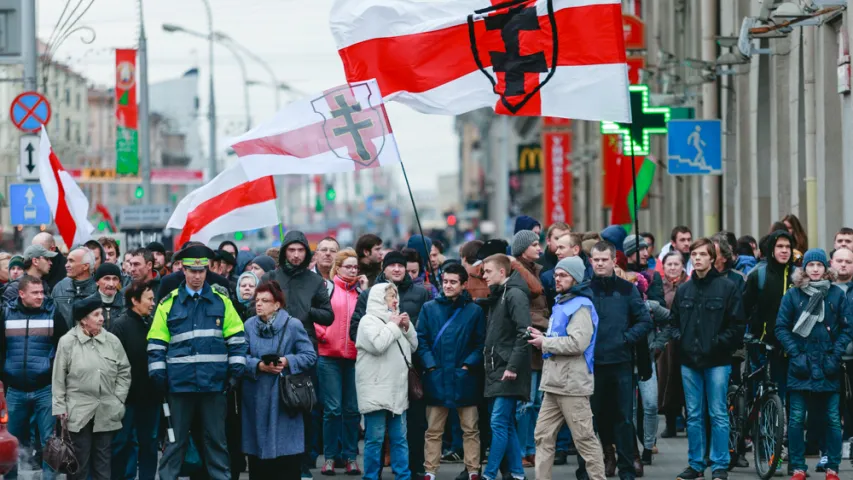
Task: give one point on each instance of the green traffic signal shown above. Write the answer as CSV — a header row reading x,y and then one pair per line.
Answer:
x,y
102,225
139,193
318,207
238,236
331,194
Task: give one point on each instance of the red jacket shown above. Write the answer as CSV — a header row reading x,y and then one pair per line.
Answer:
x,y
334,341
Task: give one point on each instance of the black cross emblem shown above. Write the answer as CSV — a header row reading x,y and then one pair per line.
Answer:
x,y
351,128
511,63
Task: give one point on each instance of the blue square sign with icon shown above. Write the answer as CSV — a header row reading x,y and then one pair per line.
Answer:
x,y
28,205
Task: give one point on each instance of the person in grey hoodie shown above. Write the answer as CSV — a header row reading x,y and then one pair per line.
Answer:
x,y
79,284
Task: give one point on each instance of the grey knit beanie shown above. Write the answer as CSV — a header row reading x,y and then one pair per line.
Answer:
x,y
573,266
522,240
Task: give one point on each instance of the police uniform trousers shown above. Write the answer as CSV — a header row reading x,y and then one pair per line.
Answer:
x,y
210,408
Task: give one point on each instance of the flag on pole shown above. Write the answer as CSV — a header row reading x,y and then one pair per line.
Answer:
x,y
556,58
68,204
341,129
231,202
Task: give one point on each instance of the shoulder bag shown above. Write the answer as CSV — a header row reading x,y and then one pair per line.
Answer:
x,y
296,391
58,451
416,387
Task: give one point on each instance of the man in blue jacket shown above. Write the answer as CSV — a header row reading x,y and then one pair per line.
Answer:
x,y
451,333
27,347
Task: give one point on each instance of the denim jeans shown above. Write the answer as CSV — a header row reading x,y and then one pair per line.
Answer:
x,y
21,406
824,404
706,390
649,395
526,415
135,445
504,438
375,424
340,407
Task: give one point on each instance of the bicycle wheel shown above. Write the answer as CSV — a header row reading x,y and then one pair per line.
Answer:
x,y
735,434
768,430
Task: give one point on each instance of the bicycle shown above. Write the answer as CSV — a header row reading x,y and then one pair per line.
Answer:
x,y
762,415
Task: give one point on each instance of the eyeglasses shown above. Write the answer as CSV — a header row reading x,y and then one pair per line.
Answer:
x,y
348,267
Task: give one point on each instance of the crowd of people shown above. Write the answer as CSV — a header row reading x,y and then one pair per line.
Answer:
x,y
517,354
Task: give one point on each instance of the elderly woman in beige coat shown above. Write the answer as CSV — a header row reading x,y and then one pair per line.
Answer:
x,y
91,379
385,342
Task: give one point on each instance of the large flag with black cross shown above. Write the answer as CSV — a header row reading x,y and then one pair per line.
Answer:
x,y
556,58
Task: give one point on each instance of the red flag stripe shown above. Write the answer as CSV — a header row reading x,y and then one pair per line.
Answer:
x,y
243,195
64,221
588,35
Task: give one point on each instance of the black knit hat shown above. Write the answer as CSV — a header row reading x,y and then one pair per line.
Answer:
x,y
392,258
492,247
16,261
106,269
156,247
85,306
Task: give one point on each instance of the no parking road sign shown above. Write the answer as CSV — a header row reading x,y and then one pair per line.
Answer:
x,y
29,111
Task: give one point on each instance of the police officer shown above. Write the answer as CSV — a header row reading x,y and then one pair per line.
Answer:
x,y
196,354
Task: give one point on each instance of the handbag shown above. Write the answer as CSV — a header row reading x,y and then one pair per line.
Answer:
x,y
58,452
416,387
296,391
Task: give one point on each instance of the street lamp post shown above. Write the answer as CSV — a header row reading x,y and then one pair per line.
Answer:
x,y
240,62
275,83
211,113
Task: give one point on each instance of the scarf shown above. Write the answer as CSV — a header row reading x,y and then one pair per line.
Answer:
x,y
813,312
266,329
254,278
107,299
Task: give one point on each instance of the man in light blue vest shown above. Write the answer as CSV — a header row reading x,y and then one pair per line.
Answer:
x,y
567,374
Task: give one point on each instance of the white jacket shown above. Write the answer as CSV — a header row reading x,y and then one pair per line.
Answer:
x,y
381,373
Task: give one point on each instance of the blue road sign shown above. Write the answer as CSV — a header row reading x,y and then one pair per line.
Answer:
x,y
29,111
28,205
693,147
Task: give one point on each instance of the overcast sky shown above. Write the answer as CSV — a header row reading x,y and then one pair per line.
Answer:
x,y
291,35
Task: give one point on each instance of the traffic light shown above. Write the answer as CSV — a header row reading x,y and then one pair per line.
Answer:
x,y
318,206
238,236
331,194
451,220
139,193
102,225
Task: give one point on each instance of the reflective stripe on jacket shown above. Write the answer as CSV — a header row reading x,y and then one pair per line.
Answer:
x,y
196,345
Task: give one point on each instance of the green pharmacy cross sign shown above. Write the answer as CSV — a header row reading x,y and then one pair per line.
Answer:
x,y
648,121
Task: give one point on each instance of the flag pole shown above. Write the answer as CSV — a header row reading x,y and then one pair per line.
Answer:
x,y
427,263
636,202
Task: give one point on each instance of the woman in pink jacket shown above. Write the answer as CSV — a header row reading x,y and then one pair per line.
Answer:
x,y
336,368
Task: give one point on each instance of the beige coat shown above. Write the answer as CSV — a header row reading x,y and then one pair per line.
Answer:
x,y
381,373
91,378
565,372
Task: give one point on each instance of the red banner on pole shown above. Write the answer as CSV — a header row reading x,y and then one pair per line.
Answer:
x,y
127,136
557,177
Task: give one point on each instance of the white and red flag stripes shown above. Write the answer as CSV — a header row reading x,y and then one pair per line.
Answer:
x,y
558,58
68,204
229,203
342,129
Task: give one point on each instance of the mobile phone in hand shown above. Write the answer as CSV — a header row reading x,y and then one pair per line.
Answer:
x,y
270,359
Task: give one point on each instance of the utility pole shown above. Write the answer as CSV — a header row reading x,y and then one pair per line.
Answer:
x,y
29,51
211,113
710,183
144,124
499,213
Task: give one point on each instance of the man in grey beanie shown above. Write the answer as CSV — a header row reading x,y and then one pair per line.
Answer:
x,y
523,240
567,376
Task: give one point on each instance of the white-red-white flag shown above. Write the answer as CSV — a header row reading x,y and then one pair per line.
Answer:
x,y
231,202
68,204
341,129
555,58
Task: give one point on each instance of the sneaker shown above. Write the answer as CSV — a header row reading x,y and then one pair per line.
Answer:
x,y
352,468
831,474
720,475
821,465
328,467
798,475
306,473
690,474
451,457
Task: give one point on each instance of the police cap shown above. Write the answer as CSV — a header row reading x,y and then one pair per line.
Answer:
x,y
196,257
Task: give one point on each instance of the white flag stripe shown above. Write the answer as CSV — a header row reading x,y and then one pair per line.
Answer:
x,y
260,215
586,92
229,178
355,21
74,199
261,165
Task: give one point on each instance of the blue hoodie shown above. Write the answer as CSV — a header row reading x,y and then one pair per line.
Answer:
x,y
616,235
524,222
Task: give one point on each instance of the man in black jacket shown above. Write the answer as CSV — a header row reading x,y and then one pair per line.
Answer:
x,y
308,300
623,326
707,317
766,284
142,409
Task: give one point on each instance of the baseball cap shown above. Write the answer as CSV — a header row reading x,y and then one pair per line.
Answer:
x,y
36,251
